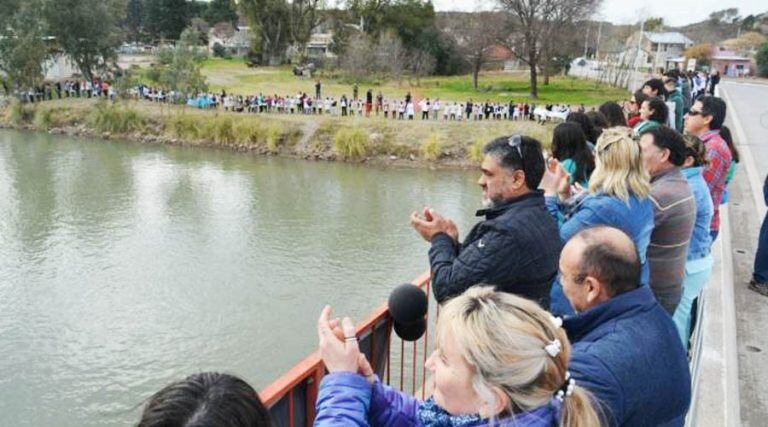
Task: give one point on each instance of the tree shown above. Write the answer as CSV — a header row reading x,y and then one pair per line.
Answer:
x,y
702,53
22,45
134,20
87,31
303,17
370,13
725,16
748,42
535,20
179,67
166,19
762,61
269,20
221,11
475,34
654,24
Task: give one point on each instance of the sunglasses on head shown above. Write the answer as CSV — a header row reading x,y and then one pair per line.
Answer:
x,y
515,141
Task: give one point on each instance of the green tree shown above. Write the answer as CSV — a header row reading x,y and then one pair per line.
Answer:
x,y
87,31
220,11
269,21
134,20
762,61
179,67
166,19
22,45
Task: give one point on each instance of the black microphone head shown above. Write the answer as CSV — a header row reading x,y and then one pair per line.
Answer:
x,y
411,331
407,303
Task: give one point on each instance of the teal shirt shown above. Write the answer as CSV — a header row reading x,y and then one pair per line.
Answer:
x,y
570,166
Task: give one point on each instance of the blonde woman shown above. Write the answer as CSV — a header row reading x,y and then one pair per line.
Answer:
x,y
617,196
499,360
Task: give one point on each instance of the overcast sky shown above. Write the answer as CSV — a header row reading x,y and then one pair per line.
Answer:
x,y
675,12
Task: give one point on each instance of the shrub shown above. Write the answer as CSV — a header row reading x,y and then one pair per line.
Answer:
x,y
20,113
762,60
430,149
248,132
475,152
351,143
43,118
219,129
116,118
272,137
184,126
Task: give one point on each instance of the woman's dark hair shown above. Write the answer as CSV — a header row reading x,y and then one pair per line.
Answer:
x,y
725,133
658,86
659,108
695,148
569,142
206,399
586,125
613,114
599,122
531,163
640,97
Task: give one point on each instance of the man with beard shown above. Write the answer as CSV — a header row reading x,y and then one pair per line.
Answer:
x,y
516,247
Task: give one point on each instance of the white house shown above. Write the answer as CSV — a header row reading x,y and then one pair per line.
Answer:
x,y
657,50
237,40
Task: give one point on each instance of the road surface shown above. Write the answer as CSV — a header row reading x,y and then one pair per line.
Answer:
x,y
748,121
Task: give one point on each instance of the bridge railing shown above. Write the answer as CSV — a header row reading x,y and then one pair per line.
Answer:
x,y
291,398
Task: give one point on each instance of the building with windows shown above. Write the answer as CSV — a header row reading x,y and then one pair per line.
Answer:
x,y
657,50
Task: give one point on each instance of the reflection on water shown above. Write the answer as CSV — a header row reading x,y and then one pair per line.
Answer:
x,y
123,267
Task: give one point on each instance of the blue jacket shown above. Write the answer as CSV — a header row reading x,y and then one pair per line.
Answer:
x,y
634,217
701,239
346,399
516,249
627,352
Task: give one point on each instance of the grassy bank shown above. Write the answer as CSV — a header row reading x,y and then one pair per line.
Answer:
x,y
313,137
234,76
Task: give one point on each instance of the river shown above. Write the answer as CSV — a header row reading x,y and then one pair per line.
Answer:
x,y
126,266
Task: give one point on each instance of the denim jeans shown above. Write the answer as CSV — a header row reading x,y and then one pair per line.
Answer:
x,y
697,273
761,257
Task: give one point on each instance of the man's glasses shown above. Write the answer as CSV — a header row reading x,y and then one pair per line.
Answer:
x,y
693,112
516,141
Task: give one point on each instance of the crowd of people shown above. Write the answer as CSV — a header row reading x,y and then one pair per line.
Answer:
x,y
368,105
570,304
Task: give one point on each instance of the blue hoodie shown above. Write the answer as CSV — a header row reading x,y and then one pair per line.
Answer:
x,y
346,399
627,352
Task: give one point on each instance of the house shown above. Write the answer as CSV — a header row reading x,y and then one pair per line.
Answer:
x,y
236,40
658,50
729,63
319,46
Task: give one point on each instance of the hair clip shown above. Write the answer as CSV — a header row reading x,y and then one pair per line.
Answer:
x,y
567,388
554,347
557,321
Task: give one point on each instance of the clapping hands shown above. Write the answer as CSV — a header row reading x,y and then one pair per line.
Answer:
x,y
338,346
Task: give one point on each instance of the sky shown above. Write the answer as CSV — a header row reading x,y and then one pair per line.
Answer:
x,y
675,12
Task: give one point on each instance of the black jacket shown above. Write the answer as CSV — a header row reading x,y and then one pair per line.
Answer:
x,y
516,248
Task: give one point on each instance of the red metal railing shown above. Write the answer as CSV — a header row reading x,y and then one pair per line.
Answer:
x,y
291,397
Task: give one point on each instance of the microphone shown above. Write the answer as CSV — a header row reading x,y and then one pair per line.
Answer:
x,y
408,306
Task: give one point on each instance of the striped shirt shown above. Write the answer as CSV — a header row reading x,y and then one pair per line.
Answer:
x,y
674,215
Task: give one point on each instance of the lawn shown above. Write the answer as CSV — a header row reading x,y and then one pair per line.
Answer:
x,y
234,76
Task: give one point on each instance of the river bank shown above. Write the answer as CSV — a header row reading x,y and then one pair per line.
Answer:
x,y
373,140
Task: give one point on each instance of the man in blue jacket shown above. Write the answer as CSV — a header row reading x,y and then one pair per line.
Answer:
x,y
517,246
626,350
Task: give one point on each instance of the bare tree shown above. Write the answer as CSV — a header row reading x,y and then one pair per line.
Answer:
x,y
302,20
537,22
474,35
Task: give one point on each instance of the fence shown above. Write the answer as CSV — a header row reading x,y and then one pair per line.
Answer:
x,y
291,398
